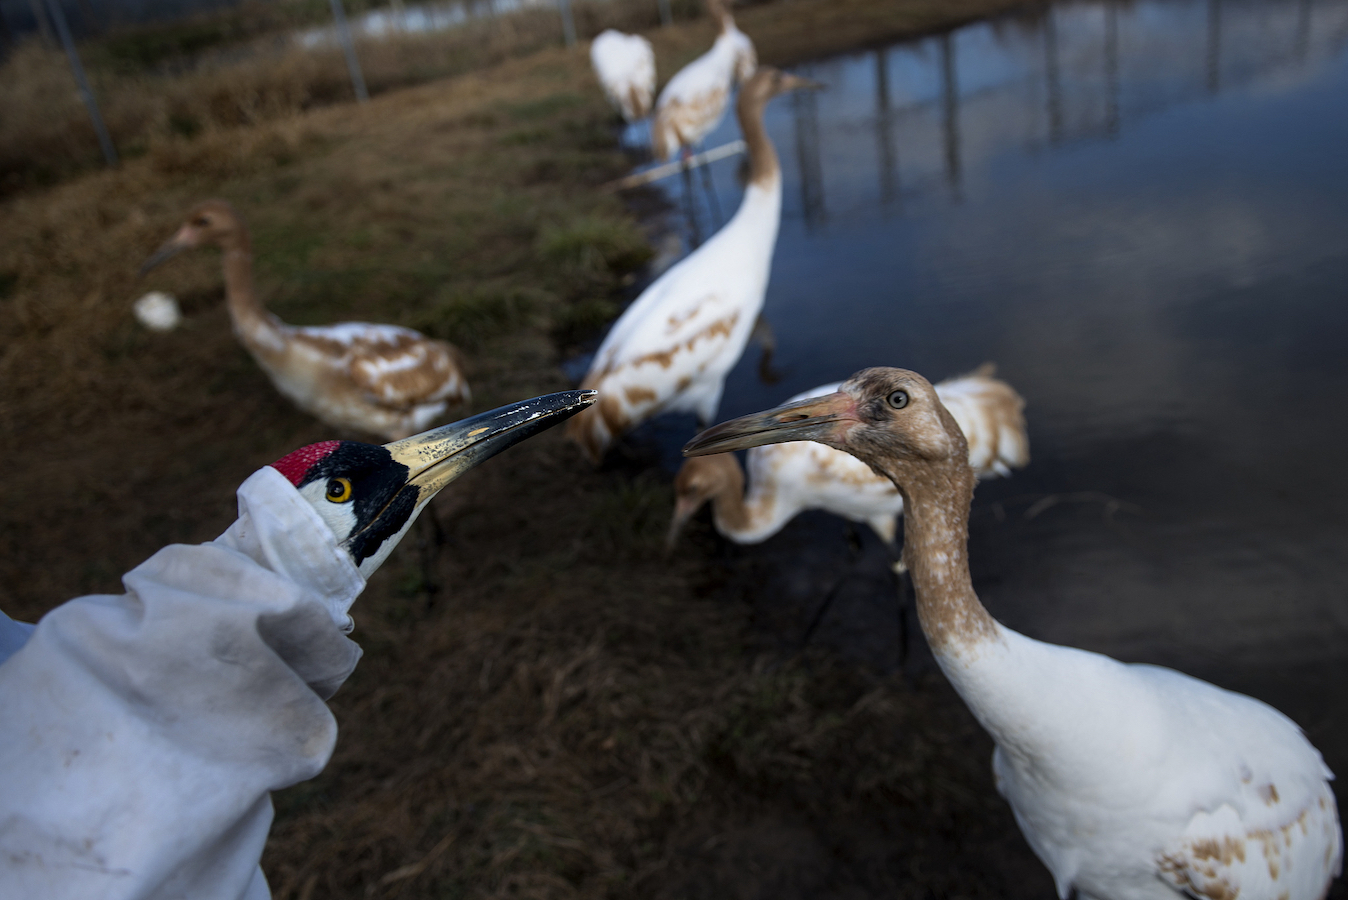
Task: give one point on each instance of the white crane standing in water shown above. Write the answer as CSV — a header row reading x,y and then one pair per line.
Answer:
x,y
625,67
380,379
1130,782
787,479
693,102
672,348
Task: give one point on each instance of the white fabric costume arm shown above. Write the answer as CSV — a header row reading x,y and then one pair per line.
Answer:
x,y
141,734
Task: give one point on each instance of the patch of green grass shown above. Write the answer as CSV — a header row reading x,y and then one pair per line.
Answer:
x,y
469,315
595,244
543,107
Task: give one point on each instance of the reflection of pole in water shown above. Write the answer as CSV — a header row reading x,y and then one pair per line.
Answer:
x,y
1303,40
1051,77
1112,70
950,102
1214,46
884,124
806,107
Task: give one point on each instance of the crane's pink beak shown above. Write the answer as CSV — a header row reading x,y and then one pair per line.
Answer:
x,y
824,419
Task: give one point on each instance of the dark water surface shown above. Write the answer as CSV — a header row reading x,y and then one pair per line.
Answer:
x,y
1140,212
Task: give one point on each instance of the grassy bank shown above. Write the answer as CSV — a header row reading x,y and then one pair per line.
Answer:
x,y
569,713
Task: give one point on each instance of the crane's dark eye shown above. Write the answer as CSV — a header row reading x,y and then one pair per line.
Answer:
x,y
898,399
201,221
339,490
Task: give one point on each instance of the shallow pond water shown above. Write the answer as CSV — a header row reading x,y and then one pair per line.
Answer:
x,y
1139,211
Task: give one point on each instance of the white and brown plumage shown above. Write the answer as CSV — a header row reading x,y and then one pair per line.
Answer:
x,y
625,67
787,479
694,100
1130,782
381,379
672,348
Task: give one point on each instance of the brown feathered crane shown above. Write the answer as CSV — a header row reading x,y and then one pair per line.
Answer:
x,y
380,379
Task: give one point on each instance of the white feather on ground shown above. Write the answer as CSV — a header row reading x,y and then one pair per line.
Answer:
x,y
158,311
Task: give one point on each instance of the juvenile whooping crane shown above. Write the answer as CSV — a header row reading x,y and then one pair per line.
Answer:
x,y
625,66
693,102
787,479
672,348
380,379
1130,782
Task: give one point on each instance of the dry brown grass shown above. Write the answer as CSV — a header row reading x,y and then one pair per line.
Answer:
x,y
569,714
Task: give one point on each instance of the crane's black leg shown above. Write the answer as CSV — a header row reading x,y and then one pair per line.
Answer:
x,y
711,194
429,542
689,207
767,340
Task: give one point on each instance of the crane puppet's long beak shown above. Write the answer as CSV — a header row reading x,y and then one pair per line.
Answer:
x,y
824,419
435,458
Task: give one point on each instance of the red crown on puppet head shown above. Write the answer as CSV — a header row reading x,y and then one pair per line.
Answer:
x,y
295,465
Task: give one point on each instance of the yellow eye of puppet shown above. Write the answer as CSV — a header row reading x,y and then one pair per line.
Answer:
x,y
339,490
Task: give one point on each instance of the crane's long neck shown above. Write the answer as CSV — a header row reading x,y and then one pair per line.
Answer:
x,y
1029,695
261,332
746,518
765,170
935,548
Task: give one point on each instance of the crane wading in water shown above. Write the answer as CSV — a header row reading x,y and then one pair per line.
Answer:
x,y
693,102
1129,781
141,735
672,348
787,479
380,379
625,67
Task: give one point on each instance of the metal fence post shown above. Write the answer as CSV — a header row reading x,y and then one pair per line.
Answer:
x,y
58,17
349,49
568,23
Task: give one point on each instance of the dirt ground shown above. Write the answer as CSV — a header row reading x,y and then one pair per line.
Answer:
x,y
547,706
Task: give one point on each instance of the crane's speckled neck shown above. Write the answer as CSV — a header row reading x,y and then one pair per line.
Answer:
x,y
936,499
259,330
764,166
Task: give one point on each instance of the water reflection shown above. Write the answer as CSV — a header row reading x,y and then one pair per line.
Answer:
x,y
1140,212
1074,72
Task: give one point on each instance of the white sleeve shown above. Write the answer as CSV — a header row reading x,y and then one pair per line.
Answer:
x,y
141,734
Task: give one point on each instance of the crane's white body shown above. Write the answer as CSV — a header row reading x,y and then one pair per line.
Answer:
x,y
625,66
671,350
693,102
382,379
1130,782
787,479
1135,781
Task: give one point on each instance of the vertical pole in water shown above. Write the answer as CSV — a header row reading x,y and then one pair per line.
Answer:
x,y
58,17
883,129
1303,41
1214,46
349,49
806,108
950,104
1112,70
1051,77
666,14
568,23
